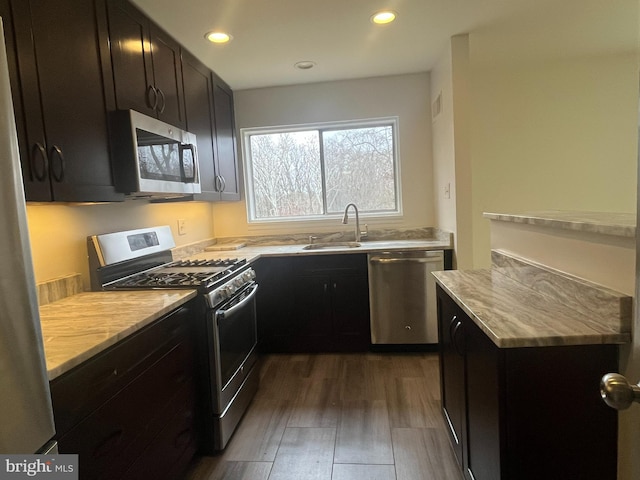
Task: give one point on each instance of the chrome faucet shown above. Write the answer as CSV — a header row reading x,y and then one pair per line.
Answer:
x,y
345,220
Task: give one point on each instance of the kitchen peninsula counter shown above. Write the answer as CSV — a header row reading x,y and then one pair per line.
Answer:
x,y
519,304
78,327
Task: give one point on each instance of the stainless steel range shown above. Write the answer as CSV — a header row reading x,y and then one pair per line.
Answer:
x,y
142,259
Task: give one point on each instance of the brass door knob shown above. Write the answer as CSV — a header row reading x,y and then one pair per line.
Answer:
x,y
617,392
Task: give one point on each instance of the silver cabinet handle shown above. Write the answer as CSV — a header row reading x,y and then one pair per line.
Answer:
x,y
153,104
617,392
164,101
56,152
220,183
40,152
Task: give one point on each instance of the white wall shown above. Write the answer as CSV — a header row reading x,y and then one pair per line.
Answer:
x,y
405,96
443,138
554,98
451,148
58,233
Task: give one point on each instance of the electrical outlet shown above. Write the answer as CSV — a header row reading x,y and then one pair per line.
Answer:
x,y
182,226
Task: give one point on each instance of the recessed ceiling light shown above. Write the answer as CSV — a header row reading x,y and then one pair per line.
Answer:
x,y
304,65
383,17
218,37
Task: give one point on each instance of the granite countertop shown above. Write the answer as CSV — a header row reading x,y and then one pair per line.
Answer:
x,y
253,252
77,327
513,314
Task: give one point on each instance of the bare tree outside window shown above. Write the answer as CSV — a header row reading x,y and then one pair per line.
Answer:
x,y
359,168
318,171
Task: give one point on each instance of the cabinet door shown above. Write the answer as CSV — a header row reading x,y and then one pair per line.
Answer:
x,y
452,374
167,75
198,99
131,58
483,442
16,19
312,313
146,65
274,308
61,67
226,140
109,440
350,312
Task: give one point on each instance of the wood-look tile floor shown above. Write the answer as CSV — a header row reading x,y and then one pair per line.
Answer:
x,y
340,417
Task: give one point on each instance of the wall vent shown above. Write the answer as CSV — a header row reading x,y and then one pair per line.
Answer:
x,y
436,106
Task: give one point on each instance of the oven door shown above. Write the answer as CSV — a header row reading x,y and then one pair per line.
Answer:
x,y
234,337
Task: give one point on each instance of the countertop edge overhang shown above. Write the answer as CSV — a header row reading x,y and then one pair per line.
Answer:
x,y
602,223
78,327
514,316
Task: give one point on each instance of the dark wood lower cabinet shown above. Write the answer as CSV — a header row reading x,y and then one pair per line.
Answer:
x,y
133,418
315,303
525,413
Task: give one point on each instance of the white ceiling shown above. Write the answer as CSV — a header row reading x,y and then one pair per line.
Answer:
x,y
269,36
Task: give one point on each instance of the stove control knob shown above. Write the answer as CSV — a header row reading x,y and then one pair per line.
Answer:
x,y
224,293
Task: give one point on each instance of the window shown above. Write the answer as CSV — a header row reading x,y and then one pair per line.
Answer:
x,y
314,171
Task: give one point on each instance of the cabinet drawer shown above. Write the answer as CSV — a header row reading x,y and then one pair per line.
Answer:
x,y
113,436
86,387
318,264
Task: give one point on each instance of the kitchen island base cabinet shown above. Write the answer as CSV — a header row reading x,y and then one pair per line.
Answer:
x,y
524,413
130,412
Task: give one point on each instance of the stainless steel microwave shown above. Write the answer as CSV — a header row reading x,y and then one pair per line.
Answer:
x,y
152,158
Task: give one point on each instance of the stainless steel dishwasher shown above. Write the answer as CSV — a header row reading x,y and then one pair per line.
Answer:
x,y
402,296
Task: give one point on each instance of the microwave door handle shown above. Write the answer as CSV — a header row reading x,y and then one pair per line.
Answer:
x,y
192,148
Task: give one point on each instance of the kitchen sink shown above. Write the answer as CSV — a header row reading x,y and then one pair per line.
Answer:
x,y
321,246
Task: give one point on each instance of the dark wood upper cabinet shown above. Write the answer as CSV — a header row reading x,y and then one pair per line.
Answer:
x,y
72,62
209,112
227,164
198,100
56,64
147,70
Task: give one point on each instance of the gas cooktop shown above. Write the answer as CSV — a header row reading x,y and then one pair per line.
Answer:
x,y
143,258
181,274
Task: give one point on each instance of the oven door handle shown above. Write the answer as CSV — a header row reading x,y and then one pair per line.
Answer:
x,y
221,314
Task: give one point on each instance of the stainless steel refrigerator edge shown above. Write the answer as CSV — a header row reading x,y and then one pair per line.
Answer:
x,y
26,416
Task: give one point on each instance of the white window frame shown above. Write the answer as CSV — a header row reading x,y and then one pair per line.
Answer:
x,y
246,133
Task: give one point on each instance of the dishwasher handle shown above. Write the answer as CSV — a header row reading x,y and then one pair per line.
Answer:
x,y
406,260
